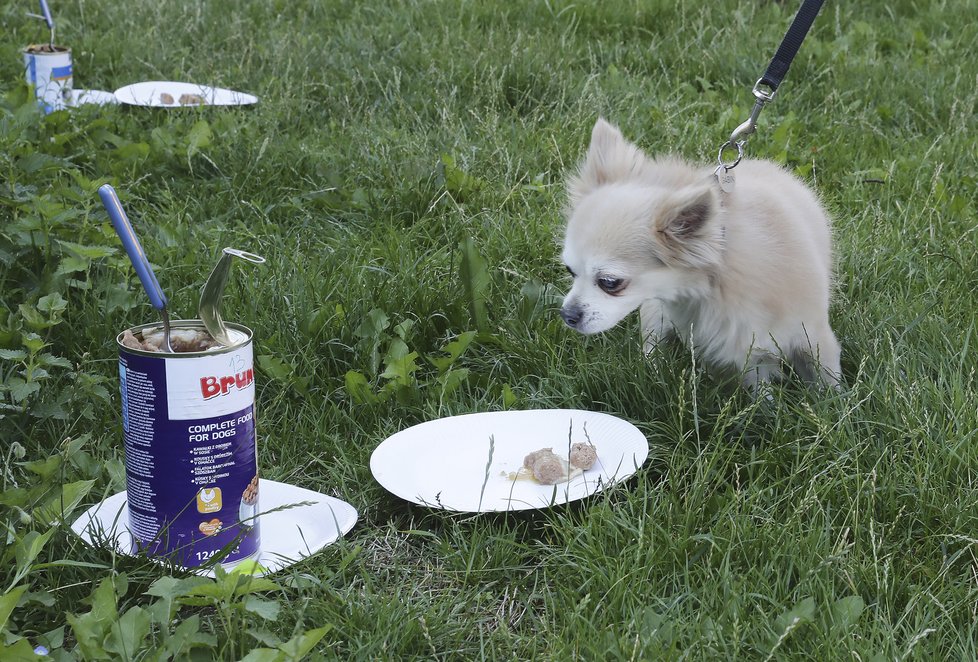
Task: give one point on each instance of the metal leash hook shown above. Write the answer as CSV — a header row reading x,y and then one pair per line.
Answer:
x,y
765,88
762,97
738,138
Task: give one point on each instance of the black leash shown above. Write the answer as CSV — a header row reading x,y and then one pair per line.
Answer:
x,y
790,44
765,88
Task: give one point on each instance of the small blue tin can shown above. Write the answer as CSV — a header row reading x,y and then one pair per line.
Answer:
x,y
48,71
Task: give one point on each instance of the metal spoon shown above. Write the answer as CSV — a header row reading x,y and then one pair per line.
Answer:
x,y
209,309
47,19
135,251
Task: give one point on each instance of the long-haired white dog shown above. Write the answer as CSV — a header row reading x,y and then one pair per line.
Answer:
x,y
744,276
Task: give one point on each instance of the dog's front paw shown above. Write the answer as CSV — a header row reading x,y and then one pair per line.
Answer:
x,y
653,325
757,377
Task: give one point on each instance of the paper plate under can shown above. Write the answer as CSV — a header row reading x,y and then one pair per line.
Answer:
x,y
296,523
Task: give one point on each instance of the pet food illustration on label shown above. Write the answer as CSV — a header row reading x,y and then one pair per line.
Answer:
x,y
191,456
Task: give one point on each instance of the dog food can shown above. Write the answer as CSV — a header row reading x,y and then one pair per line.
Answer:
x,y
48,72
191,457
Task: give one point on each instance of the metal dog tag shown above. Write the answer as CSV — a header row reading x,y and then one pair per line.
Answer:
x,y
725,178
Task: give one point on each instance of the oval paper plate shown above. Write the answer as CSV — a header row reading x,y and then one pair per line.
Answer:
x,y
463,463
295,523
172,94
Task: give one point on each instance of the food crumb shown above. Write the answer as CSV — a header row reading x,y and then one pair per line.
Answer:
x,y
166,98
191,100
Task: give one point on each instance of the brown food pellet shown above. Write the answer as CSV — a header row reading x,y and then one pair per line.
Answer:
x,y
166,98
548,469
531,459
545,466
583,456
191,100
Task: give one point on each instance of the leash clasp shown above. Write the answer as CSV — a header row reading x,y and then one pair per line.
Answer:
x,y
763,97
763,94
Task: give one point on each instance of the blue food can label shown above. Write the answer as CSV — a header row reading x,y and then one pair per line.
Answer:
x,y
191,453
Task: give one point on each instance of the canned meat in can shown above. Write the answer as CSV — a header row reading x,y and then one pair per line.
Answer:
x,y
48,72
191,455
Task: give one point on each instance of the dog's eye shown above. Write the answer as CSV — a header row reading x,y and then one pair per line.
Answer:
x,y
570,271
611,285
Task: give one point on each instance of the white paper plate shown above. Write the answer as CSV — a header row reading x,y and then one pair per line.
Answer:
x,y
287,536
151,93
443,463
98,97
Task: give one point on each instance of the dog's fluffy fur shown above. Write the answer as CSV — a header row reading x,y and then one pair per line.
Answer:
x,y
744,276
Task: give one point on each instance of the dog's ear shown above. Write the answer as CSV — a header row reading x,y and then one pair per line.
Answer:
x,y
687,228
610,158
687,211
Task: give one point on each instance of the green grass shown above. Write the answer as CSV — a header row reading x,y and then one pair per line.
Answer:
x,y
388,133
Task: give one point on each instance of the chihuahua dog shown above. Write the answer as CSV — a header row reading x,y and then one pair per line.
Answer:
x,y
744,277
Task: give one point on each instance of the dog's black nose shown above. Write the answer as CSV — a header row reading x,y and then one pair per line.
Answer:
x,y
572,316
